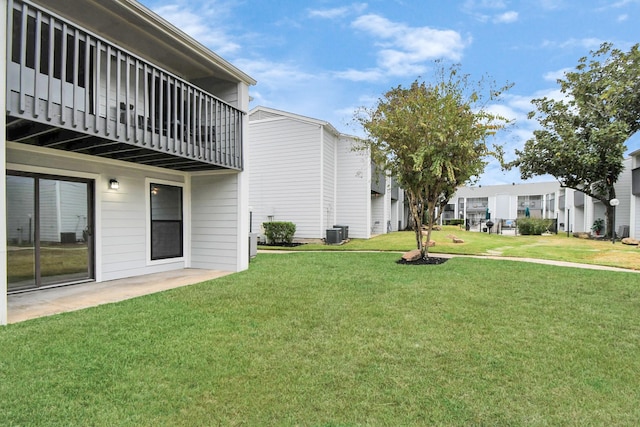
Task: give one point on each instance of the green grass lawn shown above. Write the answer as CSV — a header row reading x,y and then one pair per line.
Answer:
x,y
340,339
553,247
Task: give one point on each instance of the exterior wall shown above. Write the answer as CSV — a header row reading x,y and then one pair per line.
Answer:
x,y
505,202
398,212
504,206
634,208
623,194
125,212
378,223
397,215
388,227
578,216
634,230
354,189
242,227
329,181
581,218
121,216
599,210
213,238
304,171
285,178
214,221
575,216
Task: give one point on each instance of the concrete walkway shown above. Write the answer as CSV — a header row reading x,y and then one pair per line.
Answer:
x,y
543,261
498,257
46,302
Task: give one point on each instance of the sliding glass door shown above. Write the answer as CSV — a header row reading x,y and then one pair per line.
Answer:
x,y
49,230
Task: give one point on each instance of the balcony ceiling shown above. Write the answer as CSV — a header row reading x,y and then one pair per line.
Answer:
x,y
45,135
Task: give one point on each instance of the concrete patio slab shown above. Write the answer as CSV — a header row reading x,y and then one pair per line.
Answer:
x,y
46,302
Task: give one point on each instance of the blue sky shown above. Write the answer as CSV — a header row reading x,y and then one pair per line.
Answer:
x,y
325,58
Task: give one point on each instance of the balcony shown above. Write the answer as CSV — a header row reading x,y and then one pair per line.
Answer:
x,y
71,90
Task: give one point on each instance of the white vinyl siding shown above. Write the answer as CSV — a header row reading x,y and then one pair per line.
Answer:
x,y
354,189
285,174
378,225
623,194
329,181
214,222
125,224
635,225
122,219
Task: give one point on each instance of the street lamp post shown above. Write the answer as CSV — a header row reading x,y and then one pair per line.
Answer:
x,y
613,203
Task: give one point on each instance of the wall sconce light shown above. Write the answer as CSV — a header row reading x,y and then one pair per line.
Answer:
x,y
114,184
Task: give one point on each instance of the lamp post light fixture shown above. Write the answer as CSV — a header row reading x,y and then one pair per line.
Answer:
x,y
613,203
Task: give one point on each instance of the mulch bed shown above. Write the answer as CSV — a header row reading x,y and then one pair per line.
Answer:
x,y
424,261
282,245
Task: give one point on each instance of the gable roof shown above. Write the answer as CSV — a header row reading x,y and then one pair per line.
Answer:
x,y
271,113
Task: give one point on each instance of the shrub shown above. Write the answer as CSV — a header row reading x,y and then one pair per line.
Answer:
x,y
279,231
533,226
598,226
454,222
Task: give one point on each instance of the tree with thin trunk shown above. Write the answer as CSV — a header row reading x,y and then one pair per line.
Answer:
x,y
582,140
432,139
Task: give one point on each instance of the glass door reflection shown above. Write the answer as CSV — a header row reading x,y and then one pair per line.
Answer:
x,y
49,231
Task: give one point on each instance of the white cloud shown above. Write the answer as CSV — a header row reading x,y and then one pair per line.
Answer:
x,y
471,5
623,3
504,111
484,11
553,76
506,18
287,86
273,74
197,24
519,103
360,75
623,18
403,50
586,43
329,13
338,12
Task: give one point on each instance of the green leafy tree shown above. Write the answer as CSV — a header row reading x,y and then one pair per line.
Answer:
x,y
432,139
582,140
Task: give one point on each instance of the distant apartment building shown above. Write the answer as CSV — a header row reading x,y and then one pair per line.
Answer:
x,y
304,171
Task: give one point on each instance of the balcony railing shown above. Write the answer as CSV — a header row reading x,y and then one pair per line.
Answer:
x,y
70,89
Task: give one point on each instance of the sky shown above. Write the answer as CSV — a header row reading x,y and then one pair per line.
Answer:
x,y
326,58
